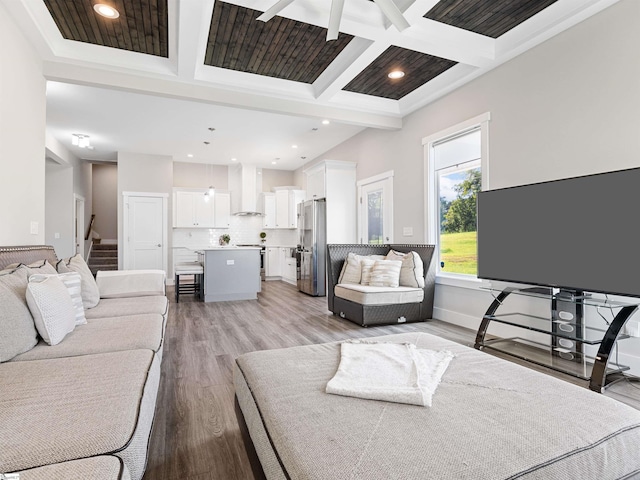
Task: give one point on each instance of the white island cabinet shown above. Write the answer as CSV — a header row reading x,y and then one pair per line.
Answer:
x,y
231,273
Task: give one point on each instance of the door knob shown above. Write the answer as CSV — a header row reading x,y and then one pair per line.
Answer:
x,y
159,245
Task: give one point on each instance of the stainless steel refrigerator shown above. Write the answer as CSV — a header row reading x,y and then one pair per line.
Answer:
x,y
312,246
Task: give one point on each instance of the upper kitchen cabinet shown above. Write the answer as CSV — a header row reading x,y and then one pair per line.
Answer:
x,y
287,199
268,209
192,209
335,181
222,209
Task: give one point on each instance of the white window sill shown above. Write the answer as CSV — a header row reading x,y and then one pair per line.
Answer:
x,y
460,281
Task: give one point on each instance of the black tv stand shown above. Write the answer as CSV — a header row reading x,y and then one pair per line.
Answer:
x,y
567,333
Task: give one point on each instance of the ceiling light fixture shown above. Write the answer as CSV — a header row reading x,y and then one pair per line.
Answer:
x,y
396,74
294,146
326,122
388,8
81,140
106,11
190,155
234,159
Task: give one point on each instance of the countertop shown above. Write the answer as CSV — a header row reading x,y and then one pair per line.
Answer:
x,y
216,247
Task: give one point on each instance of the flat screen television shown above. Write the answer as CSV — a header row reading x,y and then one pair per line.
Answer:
x,y
579,233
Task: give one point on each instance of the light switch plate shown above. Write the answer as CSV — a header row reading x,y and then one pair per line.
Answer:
x,y
34,228
231,262
407,231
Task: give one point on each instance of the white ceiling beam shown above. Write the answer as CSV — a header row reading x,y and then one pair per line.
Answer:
x,y
193,22
172,88
356,56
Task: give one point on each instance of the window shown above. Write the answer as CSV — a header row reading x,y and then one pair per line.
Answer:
x,y
456,172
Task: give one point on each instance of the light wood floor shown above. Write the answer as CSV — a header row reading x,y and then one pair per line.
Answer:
x,y
196,435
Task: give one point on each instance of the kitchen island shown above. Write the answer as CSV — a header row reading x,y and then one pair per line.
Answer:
x,y
231,273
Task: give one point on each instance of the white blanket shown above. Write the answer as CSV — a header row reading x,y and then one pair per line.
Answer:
x,y
392,372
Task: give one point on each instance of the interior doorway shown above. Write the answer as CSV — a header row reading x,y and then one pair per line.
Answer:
x,y
78,222
375,209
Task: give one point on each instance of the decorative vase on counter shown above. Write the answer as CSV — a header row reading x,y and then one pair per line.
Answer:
x,y
224,239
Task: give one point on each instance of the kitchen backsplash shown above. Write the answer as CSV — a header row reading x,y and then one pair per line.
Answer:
x,y
242,230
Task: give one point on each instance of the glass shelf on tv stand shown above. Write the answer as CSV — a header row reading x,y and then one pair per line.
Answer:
x,y
596,368
580,366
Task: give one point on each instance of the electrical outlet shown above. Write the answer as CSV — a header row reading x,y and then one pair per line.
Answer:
x,y
34,228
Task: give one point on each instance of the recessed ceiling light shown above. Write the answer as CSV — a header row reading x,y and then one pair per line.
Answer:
x,y
396,74
106,11
294,146
326,122
274,162
234,159
190,155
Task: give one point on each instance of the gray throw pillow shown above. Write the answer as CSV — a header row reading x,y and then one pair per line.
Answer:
x,y
89,288
17,330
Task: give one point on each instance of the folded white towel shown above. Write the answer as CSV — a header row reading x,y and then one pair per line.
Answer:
x,y
392,372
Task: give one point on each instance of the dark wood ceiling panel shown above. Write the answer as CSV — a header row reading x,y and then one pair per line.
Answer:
x,y
419,68
486,17
141,26
280,48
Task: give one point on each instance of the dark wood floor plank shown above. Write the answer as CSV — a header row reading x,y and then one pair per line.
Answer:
x,y
196,434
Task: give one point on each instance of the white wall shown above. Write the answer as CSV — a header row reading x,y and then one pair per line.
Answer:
x,y
138,172
59,209
76,180
200,175
105,200
22,137
567,107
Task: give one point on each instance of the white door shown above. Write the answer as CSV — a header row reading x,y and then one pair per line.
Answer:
x,y
375,212
145,237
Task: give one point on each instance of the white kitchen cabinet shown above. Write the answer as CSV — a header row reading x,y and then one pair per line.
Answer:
x,y
273,266
280,264
335,181
289,267
191,210
268,210
287,200
222,209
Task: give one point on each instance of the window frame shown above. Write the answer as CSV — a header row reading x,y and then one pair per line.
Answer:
x,y
431,199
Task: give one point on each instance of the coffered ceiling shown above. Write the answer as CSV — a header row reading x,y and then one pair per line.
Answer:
x,y
216,52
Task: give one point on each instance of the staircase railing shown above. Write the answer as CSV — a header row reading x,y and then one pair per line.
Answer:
x,y
93,217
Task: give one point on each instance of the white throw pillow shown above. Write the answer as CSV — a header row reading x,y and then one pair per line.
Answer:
x,y
89,288
52,309
367,265
352,268
385,273
72,281
412,272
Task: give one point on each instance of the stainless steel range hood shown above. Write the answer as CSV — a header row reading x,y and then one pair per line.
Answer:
x,y
245,183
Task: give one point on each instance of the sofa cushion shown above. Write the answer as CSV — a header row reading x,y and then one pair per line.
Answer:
x,y
90,293
17,330
104,335
368,295
131,283
68,408
72,281
118,307
52,308
41,267
385,273
412,272
103,467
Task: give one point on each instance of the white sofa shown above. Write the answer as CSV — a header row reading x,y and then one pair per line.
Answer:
x,y
82,408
